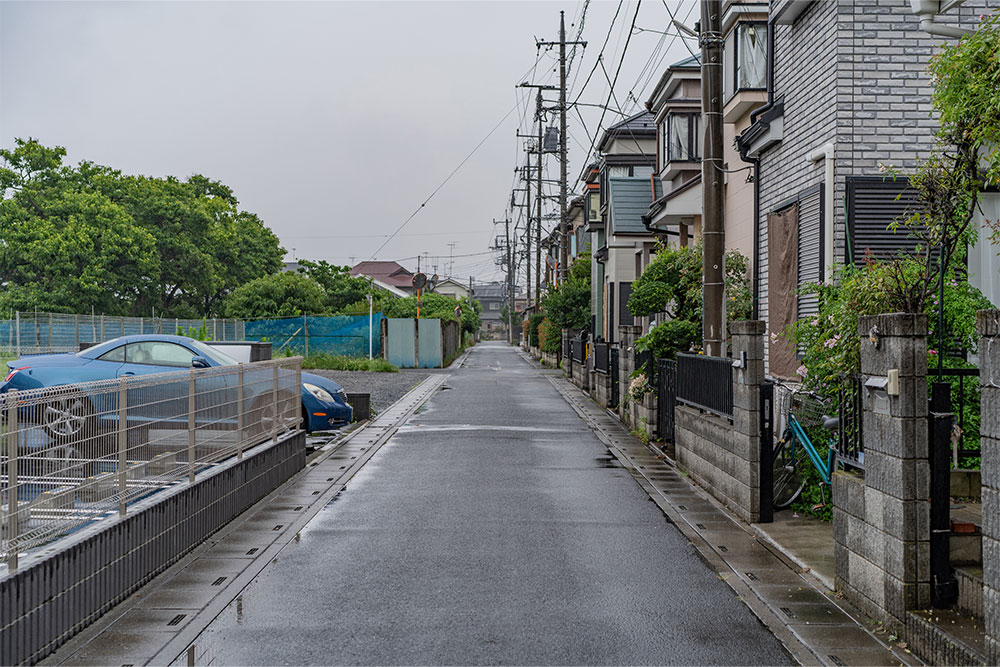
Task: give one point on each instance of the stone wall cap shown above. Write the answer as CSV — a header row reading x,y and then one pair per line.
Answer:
x,y
893,324
988,322
747,327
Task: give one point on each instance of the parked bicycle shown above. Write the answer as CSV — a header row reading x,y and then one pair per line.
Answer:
x,y
795,451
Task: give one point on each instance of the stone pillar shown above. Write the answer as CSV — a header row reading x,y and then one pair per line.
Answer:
x,y
882,522
747,338
988,329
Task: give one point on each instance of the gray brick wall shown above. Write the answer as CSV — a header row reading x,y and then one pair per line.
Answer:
x,y
852,72
881,522
988,328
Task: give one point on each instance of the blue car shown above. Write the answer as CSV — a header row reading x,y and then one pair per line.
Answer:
x,y
324,403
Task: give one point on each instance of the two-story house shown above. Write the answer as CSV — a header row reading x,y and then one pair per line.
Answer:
x,y
627,187
848,92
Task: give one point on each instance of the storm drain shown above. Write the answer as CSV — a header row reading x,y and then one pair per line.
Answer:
x,y
218,582
176,619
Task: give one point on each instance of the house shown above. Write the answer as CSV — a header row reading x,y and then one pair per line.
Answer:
x,y
389,273
626,187
492,297
848,93
452,288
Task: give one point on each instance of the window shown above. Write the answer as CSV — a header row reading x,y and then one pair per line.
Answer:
x,y
683,135
157,353
745,59
751,56
494,305
117,354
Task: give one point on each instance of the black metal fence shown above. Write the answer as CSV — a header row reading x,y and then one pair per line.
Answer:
x,y
579,350
645,362
965,405
851,448
601,357
706,383
666,373
616,387
567,351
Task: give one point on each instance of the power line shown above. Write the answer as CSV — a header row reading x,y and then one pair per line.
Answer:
x,y
445,181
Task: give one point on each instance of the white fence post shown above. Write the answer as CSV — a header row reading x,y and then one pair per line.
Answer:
x,y
50,332
18,330
191,433
274,396
12,505
122,444
240,417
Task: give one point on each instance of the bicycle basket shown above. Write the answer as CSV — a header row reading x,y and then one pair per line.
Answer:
x,y
807,408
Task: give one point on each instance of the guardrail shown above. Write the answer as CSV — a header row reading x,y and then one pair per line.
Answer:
x,y
74,454
706,382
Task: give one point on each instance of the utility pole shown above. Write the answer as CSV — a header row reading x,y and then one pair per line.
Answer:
x,y
563,163
511,279
713,229
538,204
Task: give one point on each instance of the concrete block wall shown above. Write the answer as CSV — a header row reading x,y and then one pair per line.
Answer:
x,y
724,456
881,521
988,329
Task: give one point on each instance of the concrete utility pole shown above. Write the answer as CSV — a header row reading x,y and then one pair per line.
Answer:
x,y
538,203
563,163
511,286
713,229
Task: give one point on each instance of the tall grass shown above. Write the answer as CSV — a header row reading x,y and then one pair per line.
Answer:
x,y
334,362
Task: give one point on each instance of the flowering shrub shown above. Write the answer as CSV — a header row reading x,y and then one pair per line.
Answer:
x,y
639,387
549,337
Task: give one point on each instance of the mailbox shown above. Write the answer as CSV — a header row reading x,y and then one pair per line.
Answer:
x,y
877,393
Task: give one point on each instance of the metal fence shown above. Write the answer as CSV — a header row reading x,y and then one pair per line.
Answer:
x,y
579,350
666,394
76,453
37,333
343,335
706,382
850,441
645,362
601,357
616,386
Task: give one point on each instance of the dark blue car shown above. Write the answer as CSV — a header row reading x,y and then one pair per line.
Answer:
x,y
324,403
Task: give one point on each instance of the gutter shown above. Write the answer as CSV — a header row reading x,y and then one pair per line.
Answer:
x,y
826,153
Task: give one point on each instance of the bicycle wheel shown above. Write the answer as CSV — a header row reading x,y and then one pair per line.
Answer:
x,y
788,480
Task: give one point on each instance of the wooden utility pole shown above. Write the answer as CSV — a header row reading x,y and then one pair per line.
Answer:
x,y
713,228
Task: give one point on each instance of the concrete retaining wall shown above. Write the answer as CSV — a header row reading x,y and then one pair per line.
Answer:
x,y
988,328
50,599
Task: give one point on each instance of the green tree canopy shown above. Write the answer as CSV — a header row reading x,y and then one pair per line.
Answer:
x,y
438,306
87,236
342,289
279,295
567,306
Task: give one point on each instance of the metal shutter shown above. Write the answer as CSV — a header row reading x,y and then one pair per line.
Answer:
x,y
872,205
810,249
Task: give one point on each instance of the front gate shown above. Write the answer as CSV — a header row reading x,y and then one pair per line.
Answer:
x,y
666,380
616,386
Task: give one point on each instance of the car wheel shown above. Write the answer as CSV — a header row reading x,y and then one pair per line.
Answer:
x,y
68,418
262,415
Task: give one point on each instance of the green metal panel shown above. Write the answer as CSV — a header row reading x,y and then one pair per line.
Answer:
x,y
429,343
400,346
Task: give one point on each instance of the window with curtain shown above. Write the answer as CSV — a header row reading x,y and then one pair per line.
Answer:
x,y
751,56
683,144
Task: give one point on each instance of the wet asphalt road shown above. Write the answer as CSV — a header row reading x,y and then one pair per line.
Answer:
x,y
492,529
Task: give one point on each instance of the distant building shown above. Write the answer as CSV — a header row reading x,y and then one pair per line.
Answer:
x,y
453,288
492,297
389,273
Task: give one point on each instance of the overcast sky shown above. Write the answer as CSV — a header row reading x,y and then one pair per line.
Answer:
x,y
333,121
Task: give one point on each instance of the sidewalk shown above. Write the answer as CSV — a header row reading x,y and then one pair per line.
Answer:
x,y
779,570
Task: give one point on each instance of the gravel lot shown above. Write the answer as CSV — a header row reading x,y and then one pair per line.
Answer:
x,y
385,388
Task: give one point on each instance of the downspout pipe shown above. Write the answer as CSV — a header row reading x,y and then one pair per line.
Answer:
x,y
928,25
826,153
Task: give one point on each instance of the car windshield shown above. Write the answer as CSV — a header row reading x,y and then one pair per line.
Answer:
x,y
213,354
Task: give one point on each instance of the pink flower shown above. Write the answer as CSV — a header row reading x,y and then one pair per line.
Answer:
x,y
931,351
801,371
815,322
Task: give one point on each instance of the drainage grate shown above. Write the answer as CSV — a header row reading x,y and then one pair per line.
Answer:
x,y
298,509
836,660
788,612
342,467
252,551
700,526
218,582
681,507
176,619
329,479
751,576
278,527
315,493
723,549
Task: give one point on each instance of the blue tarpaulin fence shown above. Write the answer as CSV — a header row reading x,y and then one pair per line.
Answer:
x,y
345,335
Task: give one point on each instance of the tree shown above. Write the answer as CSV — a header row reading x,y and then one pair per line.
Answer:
x,y
437,306
279,295
76,238
568,305
342,289
671,285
